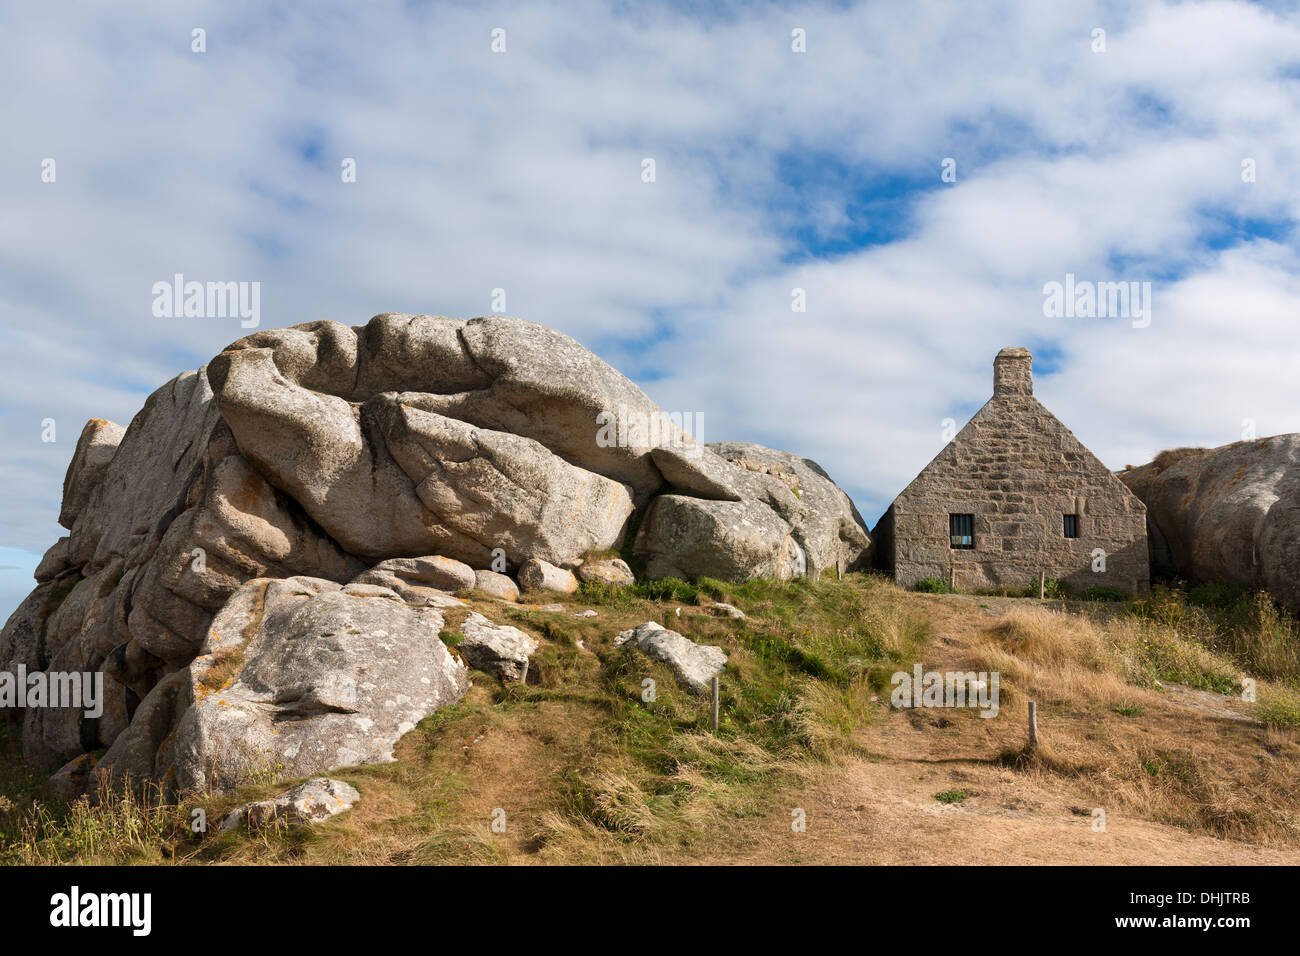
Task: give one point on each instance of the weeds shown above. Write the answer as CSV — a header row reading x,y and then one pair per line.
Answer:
x,y
933,585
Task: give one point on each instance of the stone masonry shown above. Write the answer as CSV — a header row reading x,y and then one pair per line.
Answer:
x,y
1019,472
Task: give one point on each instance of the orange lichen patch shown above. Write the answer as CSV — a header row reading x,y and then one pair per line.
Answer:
x,y
163,743
255,618
219,671
252,494
1172,456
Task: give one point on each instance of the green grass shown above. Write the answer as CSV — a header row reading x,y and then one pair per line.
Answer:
x,y
1279,707
801,670
933,585
1106,592
630,778
1249,628
1165,654
599,594
1056,590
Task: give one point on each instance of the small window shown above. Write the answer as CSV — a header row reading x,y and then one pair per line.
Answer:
x,y
1072,526
961,531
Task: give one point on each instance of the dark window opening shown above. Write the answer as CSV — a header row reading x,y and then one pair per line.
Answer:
x,y
1072,526
961,531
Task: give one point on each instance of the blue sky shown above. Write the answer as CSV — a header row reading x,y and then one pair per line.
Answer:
x,y
775,170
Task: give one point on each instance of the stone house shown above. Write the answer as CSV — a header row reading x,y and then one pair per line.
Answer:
x,y
1012,495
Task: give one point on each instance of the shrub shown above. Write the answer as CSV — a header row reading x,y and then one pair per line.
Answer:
x,y
1105,592
1261,637
933,585
1056,590
1279,707
1223,595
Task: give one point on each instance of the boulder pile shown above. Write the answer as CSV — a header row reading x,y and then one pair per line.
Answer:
x,y
257,566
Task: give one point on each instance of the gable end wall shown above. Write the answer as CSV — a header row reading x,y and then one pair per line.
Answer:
x,y
1018,470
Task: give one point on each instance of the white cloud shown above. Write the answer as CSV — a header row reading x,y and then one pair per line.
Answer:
x,y
522,171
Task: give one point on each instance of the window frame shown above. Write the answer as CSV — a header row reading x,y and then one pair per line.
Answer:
x,y
955,531
1070,523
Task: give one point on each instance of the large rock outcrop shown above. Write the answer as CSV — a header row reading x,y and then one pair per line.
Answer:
x,y
412,455
295,676
742,511
1226,514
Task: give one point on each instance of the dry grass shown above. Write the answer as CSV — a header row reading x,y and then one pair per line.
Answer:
x,y
577,768
1067,657
1172,456
1226,777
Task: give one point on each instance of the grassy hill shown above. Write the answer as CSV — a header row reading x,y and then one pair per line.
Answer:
x,y
1140,707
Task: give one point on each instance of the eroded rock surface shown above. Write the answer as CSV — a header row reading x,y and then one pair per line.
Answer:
x,y
297,676
694,665
407,456
434,571
496,648
539,575
786,519
312,801
611,571
1226,514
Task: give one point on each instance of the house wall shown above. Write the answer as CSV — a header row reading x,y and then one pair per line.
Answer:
x,y
1018,470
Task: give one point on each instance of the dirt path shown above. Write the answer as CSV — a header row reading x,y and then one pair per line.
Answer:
x,y
885,813
883,810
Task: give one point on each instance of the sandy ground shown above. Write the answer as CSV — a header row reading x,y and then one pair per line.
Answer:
x,y
882,810
885,813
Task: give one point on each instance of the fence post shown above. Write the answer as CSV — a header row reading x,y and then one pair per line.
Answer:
x,y
1033,725
715,705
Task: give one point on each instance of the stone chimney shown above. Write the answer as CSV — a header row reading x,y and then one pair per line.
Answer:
x,y
1013,372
